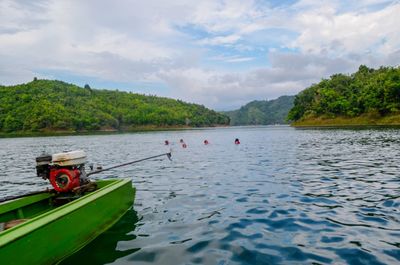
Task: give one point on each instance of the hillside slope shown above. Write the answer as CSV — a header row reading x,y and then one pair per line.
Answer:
x,y
262,112
366,97
44,105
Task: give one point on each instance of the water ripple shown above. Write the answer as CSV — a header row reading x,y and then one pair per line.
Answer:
x,y
283,196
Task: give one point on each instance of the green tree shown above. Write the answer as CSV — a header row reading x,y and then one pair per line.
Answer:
x,y
54,105
366,91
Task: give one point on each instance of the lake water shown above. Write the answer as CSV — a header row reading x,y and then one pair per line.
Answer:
x,y
283,196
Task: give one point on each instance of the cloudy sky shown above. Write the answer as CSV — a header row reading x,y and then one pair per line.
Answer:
x,y
222,54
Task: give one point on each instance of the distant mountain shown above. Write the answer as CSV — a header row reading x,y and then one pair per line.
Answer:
x,y
46,105
262,112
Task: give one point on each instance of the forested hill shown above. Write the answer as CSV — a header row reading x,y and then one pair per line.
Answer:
x,y
368,96
44,105
262,112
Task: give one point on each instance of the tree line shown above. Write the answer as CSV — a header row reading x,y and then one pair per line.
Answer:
x,y
55,105
367,91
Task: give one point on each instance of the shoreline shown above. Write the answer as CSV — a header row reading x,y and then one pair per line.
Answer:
x,y
50,133
333,125
364,121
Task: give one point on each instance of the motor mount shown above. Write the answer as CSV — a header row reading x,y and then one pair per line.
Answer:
x,y
65,171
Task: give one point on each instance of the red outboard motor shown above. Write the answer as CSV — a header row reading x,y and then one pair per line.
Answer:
x,y
66,171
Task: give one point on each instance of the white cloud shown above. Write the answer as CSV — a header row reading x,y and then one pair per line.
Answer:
x,y
239,59
18,16
323,30
145,41
220,40
231,59
225,16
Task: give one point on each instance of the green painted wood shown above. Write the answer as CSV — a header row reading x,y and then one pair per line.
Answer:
x,y
21,202
25,207
57,233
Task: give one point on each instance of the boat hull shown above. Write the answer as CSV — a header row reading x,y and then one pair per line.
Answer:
x,y
56,234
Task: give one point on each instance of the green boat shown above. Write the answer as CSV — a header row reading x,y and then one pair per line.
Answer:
x,y
52,233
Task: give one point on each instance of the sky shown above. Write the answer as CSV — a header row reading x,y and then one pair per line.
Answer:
x,y
221,54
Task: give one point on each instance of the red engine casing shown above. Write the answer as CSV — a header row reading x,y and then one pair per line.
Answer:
x,y
64,179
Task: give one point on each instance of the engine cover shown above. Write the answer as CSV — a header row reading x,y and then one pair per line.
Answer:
x,y
64,179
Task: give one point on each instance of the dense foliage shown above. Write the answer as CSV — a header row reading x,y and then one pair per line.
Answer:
x,y
262,112
368,91
43,105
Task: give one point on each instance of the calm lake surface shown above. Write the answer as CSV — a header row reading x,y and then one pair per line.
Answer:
x,y
283,196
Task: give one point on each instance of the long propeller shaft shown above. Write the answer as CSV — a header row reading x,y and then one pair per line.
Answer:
x,y
129,163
